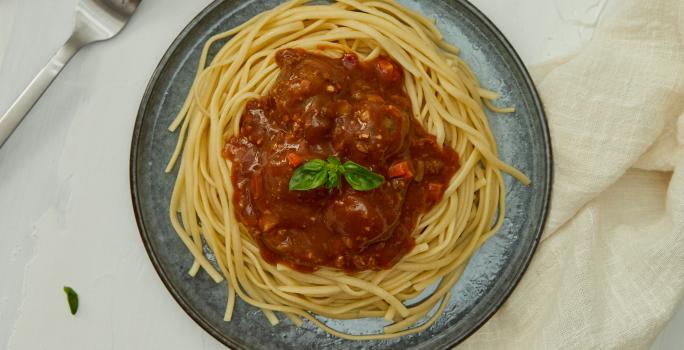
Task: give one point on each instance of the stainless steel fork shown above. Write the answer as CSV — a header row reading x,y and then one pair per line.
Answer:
x,y
96,20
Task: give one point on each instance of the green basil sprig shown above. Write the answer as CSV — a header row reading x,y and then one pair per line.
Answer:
x,y
72,299
316,173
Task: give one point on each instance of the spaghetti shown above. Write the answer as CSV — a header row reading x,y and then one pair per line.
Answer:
x,y
446,100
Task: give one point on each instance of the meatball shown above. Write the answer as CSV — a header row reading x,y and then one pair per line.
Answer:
x,y
362,218
375,130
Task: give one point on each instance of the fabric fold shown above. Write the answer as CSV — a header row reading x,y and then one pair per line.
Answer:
x,y
609,271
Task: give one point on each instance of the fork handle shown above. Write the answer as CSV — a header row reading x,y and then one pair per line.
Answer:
x,y
23,104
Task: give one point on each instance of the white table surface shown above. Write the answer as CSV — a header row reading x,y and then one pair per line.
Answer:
x,y
65,209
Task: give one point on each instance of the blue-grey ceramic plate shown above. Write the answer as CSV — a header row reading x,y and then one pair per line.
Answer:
x,y
490,276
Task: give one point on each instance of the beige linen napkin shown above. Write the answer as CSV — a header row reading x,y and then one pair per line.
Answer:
x,y
609,272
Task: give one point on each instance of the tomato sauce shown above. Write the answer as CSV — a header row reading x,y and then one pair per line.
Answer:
x,y
358,111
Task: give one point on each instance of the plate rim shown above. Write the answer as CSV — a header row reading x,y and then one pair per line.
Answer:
x,y
229,342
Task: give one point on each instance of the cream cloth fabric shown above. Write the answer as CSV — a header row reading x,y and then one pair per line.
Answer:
x,y
609,272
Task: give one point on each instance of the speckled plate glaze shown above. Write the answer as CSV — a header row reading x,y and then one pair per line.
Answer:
x,y
490,276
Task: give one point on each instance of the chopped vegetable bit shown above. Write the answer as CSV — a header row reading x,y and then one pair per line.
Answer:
x,y
435,191
294,159
401,169
350,61
257,187
72,299
386,70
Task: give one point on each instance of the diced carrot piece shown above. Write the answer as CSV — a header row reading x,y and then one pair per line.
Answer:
x,y
435,191
401,169
386,70
294,159
257,187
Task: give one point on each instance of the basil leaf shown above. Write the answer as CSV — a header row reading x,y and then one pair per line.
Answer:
x,y
333,179
309,175
316,173
334,168
333,161
72,299
361,178
313,165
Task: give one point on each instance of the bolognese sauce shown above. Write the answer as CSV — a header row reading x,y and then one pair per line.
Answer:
x,y
359,111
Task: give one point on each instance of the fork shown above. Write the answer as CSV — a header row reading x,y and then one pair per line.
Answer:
x,y
96,20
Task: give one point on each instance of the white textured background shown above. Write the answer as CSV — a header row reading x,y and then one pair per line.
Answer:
x,y
65,209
